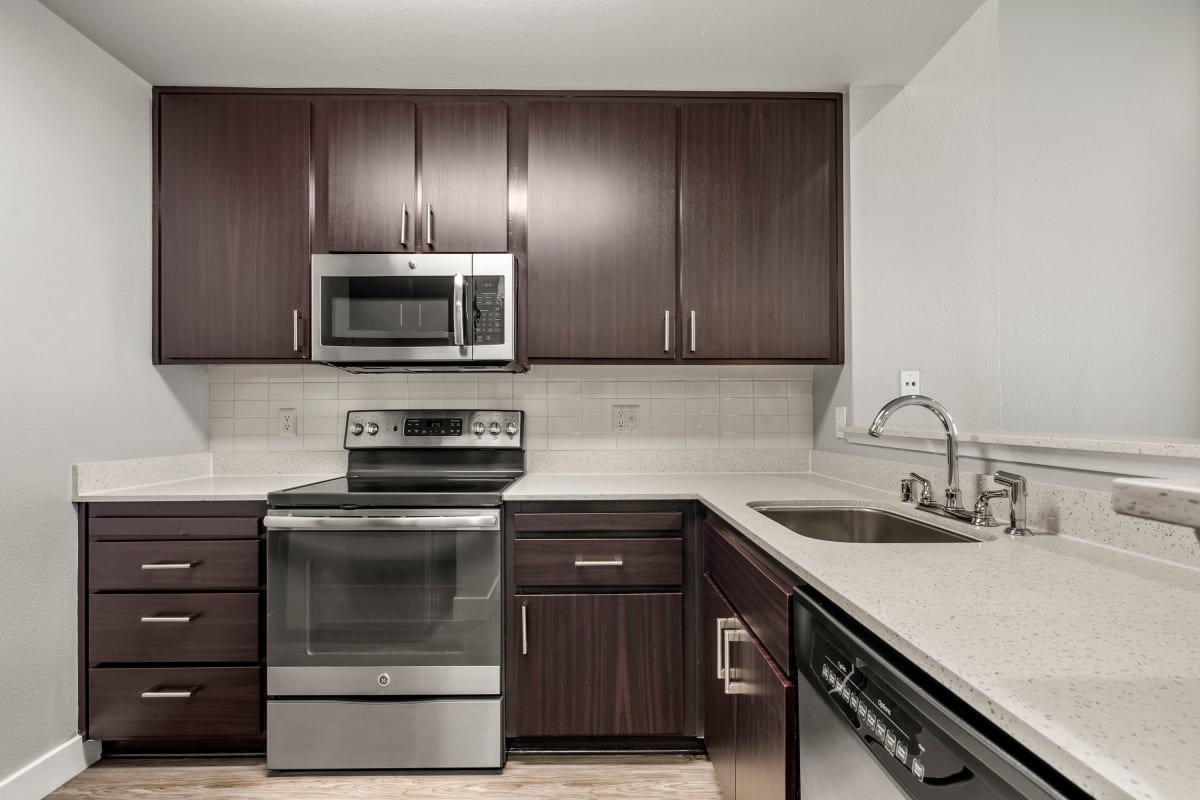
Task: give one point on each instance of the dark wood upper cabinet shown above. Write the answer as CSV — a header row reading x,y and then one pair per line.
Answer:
x,y
601,231
598,665
233,229
759,230
464,177
370,174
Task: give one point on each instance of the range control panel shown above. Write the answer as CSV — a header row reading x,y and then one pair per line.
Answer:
x,y
488,294
393,428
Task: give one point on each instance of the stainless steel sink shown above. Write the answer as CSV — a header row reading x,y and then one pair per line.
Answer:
x,y
856,525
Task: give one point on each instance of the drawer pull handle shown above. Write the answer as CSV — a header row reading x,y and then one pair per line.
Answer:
x,y
524,629
616,562
172,565
723,624
170,694
166,618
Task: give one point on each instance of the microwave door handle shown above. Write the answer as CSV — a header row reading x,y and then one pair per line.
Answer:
x,y
460,316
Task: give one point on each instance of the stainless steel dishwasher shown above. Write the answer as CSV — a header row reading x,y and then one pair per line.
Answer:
x,y
871,726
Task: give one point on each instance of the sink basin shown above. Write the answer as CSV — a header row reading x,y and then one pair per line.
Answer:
x,y
856,525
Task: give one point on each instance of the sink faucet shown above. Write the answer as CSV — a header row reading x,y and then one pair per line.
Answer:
x,y
953,493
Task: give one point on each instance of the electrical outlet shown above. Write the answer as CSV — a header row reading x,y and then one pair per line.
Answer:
x,y
910,381
839,421
625,419
288,422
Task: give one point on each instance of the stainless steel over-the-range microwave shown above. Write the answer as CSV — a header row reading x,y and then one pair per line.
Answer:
x,y
397,311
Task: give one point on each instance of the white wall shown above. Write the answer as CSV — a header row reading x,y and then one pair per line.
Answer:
x,y
75,326
1099,153
922,254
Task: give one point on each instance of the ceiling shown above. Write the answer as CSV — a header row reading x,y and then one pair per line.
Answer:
x,y
521,44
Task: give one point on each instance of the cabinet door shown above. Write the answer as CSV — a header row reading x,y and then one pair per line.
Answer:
x,y
601,231
598,665
766,723
233,227
464,177
720,710
758,230
371,177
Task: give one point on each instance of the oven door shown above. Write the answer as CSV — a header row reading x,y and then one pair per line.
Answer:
x,y
395,307
383,602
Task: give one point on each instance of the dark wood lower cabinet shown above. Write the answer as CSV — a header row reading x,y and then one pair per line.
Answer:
x,y
749,708
720,707
598,665
171,627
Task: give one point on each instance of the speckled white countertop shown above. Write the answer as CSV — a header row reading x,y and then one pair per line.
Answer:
x,y
1088,656
204,487
1175,501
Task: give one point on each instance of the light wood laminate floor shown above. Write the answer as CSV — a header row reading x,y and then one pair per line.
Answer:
x,y
666,777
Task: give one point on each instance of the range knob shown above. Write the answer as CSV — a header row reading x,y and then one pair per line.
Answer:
x,y
372,429
356,429
511,429
494,428
478,428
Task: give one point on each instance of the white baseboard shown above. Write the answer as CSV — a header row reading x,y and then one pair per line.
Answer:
x,y
42,776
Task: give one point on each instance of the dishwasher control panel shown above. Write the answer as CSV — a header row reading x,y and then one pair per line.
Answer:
x,y
880,720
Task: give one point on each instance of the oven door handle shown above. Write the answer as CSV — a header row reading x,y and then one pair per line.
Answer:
x,y
381,523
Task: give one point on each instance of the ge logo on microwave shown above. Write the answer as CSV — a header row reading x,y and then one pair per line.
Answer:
x,y
384,679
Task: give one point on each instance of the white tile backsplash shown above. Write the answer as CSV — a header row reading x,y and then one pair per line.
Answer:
x,y
567,407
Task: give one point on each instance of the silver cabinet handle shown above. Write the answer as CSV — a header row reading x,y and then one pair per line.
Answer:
x,y
168,618
524,629
723,624
429,224
447,523
616,562
667,331
460,316
404,224
170,694
179,565
692,324
733,634
295,330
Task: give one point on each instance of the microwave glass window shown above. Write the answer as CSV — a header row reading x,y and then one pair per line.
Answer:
x,y
387,311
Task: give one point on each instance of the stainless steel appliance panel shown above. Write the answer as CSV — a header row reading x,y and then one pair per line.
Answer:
x,y
382,681
412,308
416,734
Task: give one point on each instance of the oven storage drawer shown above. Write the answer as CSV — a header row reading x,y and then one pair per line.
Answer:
x,y
599,562
187,702
173,565
158,628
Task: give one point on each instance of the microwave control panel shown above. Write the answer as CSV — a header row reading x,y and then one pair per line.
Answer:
x,y
488,294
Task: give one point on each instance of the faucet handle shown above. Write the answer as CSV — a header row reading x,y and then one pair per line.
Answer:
x,y
926,498
983,513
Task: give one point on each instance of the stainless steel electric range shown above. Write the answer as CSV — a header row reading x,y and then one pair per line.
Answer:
x,y
384,612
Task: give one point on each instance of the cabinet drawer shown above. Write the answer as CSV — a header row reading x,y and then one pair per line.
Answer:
x,y
599,562
117,528
761,598
148,628
617,521
135,566
208,701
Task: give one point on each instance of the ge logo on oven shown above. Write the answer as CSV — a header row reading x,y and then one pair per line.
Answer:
x,y
384,679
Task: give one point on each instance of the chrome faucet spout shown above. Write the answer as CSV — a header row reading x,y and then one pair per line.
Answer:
x,y
953,492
